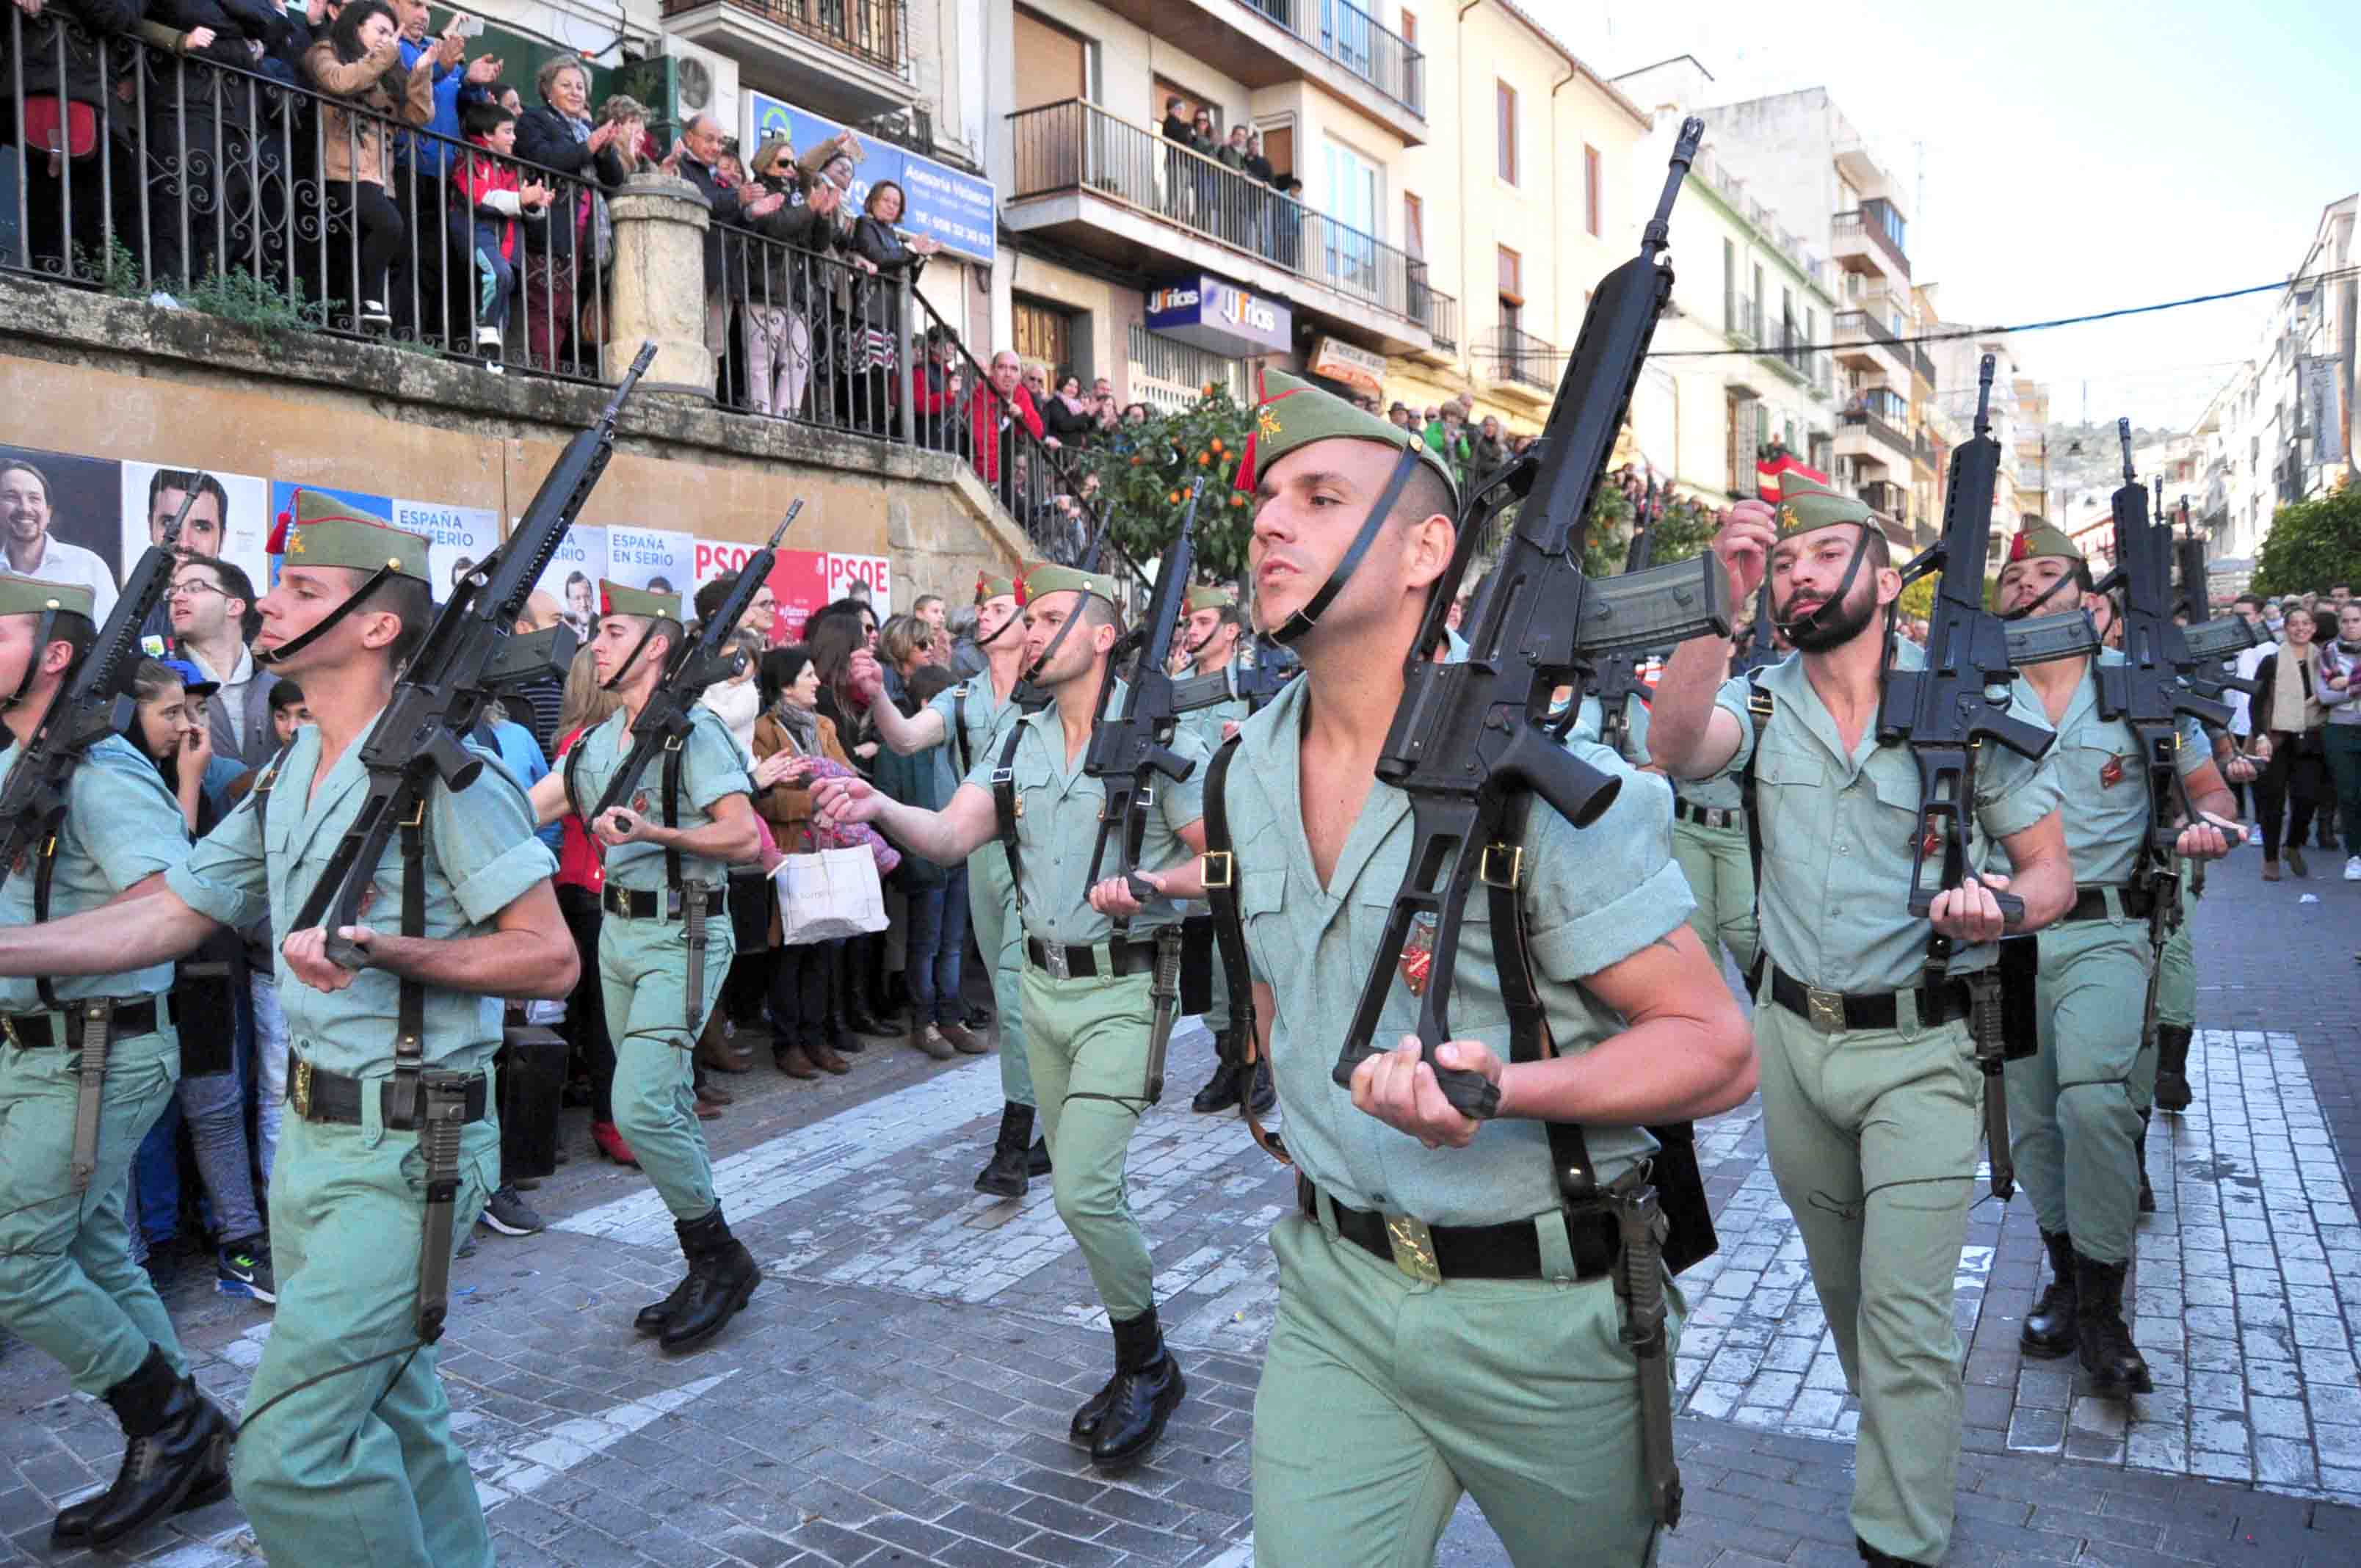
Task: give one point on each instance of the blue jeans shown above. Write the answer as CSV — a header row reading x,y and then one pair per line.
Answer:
x,y
214,1106
496,277
938,936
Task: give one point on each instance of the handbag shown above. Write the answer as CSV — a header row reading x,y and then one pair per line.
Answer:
x,y
828,894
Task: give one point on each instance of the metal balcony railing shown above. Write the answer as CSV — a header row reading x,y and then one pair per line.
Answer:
x,y
1742,316
1873,219
1513,354
1879,428
875,32
1863,325
1886,498
1077,145
1356,40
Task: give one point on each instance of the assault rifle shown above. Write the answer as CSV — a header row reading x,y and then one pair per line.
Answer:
x,y
93,702
1945,712
1128,749
1615,677
2211,644
1469,741
1253,684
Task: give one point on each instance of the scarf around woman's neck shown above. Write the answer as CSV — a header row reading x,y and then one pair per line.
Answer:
x,y
2294,709
801,724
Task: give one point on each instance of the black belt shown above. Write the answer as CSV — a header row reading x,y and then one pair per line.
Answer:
x,y
38,1031
1830,1011
639,904
1083,962
1708,816
318,1095
1512,1251
2091,904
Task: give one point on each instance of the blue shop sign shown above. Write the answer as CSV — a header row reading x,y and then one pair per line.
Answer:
x,y
958,209
1211,313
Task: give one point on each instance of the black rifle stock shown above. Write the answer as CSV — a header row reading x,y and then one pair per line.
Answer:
x,y
93,701
469,655
665,720
1947,710
1128,749
1469,737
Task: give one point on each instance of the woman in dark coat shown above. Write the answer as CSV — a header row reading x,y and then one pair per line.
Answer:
x,y
560,286
879,249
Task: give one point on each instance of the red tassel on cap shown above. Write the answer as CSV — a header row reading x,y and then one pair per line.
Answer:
x,y
277,543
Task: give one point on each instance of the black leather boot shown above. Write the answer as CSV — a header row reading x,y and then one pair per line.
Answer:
x,y
1146,1389
2172,1067
1266,1094
1876,1559
655,1314
1037,1158
721,1278
2147,1193
1221,1090
1085,1427
179,1447
2114,1362
2048,1330
1005,1175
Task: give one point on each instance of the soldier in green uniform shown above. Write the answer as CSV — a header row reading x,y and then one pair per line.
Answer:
x,y
2077,1106
346,1454
1445,1325
68,1284
1211,629
974,716
1869,1090
1091,1028
669,847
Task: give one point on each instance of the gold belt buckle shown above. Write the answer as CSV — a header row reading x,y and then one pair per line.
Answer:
x,y
1828,1009
1411,1242
8,1030
299,1089
1053,958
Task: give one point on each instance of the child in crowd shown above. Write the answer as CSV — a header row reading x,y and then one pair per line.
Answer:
x,y
503,204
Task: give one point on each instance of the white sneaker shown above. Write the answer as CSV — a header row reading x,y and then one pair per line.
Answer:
x,y
488,337
2352,869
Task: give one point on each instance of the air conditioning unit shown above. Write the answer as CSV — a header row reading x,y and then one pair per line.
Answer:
x,y
704,83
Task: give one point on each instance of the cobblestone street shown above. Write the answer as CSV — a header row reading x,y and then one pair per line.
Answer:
x,y
898,1391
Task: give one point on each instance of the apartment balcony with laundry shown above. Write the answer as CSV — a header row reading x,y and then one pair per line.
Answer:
x,y
1869,240
850,58
1266,43
1123,195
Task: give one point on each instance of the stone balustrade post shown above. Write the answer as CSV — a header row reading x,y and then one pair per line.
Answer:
x,y
658,283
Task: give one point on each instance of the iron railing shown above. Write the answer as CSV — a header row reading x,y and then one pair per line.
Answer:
x,y
1877,220
1512,353
1743,318
1077,145
1356,40
875,32
1863,325
230,187
1864,419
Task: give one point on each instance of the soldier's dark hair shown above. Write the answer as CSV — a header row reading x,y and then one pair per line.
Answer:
x,y
670,631
413,602
1423,495
1096,612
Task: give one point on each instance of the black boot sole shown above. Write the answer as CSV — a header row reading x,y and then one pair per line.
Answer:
x,y
1114,1463
2044,1350
2120,1388
1203,1108
745,1294
1004,1187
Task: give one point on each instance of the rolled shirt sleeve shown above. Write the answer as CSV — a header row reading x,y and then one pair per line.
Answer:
x,y
484,837
1601,893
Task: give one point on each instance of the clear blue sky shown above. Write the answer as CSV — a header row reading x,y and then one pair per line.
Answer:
x,y
2075,156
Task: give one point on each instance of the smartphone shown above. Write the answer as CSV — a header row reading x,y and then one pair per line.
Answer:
x,y
471,26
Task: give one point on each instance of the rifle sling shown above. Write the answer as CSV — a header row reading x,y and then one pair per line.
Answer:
x,y
45,868
1230,935
1006,808
1305,619
1529,1031
958,728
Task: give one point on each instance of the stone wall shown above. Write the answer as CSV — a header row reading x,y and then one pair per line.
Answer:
x,y
119,378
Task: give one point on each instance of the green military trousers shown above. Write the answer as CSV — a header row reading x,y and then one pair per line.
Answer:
x,y
358,1468
1872,1135
2074,1106
1720,872
1384,1397
644,975
992,914
2176,974
1088,1043
67,1285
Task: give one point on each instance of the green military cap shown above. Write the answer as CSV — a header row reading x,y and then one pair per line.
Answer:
x,y
1045,578
1205,597
988,587
1806,504
1293,412
2038,538
321,531
614,598
31,595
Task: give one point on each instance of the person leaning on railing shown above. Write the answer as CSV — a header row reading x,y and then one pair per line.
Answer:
x,y
561,292
54,48
896,264
358,64
776,315
189,104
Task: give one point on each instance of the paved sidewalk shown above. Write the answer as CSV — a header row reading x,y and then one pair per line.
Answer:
x,y
898,1392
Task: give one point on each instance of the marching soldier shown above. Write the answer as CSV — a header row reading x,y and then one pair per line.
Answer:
x,y
2077,1105
1446,1324
346,1454
1870,1088
1214,627
1093,1032
663,942
975,716
68,1285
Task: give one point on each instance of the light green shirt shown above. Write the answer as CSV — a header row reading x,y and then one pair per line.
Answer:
x,y
481,857
122,827
1591,721
1206,723
711,768
1839,830
976,721
2103,780
1058,829
1592,898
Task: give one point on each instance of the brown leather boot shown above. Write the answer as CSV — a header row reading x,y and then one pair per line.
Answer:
x,y
823,1056
717,1047
793,1062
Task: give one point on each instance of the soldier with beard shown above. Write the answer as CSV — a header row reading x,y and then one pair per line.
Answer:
x,y
1871,1094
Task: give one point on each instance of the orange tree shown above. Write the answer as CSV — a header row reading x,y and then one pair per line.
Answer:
x,y
1144,475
